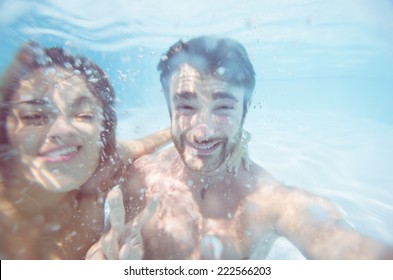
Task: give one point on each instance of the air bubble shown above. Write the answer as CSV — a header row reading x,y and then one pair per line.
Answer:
x,y
221,71
67,65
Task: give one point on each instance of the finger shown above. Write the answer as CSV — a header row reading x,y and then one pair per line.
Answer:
x,y
133,247
110,245
95,252
246,160
125,252
146,214
230,166
234,159
130,252
133,243
246,164
116,210
234,164
246,136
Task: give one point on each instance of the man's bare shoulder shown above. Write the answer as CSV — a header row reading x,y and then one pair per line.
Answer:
x,y
156,165
269,193
266,182
156,161
259,179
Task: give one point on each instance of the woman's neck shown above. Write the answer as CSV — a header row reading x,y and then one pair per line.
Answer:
x,y
31,199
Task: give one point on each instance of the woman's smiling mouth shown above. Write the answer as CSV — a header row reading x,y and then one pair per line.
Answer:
x,y
60,154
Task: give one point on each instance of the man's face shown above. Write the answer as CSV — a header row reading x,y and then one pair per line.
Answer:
x,y
207,116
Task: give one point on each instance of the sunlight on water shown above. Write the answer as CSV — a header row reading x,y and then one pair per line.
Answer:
x,y
321,117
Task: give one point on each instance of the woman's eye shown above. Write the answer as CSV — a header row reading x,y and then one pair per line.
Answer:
x,y
85,116
35,119
185,108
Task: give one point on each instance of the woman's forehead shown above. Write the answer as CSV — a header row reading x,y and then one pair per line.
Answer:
x,y
44,82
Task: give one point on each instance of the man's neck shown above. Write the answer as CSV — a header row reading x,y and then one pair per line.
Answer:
x,y
220,171
203,181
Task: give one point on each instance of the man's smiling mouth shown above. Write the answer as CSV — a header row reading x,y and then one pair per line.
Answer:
x,y
204,148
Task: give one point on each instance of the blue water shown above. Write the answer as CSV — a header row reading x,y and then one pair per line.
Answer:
x,y
322,115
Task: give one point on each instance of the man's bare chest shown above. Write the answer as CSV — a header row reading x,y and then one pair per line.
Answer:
x,y
215,227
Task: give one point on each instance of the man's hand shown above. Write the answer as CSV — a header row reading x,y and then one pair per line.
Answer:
x,y
122,241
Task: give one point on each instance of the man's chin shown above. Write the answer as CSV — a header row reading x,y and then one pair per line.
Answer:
x,y
202,167
203,163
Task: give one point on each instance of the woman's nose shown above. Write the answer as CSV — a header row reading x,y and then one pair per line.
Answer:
x,y
61,129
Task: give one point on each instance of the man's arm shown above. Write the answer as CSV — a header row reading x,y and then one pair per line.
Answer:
x,y
319,231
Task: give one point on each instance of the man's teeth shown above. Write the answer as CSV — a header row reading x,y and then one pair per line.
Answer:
x,y
205,147
63,152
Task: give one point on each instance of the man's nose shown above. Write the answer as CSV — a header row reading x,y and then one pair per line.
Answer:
x,y
203,129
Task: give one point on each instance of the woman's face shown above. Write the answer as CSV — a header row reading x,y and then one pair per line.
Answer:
x,y
54,126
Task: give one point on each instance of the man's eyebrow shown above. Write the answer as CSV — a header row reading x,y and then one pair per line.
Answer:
x,y
184,95
32,102
224,95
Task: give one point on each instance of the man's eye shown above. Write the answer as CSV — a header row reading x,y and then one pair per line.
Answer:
x,y
36,119
225,107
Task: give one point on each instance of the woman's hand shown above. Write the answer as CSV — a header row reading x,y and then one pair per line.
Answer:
x,y
239,155
122,241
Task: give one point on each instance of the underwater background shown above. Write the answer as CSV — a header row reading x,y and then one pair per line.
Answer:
x,y
322,111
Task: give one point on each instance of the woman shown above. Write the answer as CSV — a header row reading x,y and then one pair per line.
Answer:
x,y
59,154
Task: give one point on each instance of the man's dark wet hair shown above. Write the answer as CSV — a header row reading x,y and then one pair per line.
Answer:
x,y
223,58
31,57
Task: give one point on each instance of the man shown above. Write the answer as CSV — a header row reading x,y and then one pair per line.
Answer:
x,y
201,210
